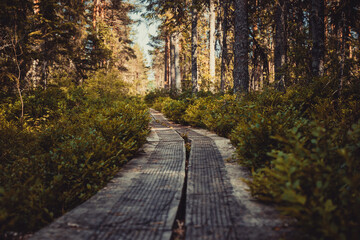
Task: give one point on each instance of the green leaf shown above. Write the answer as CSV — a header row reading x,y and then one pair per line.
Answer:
x,y
329,206
290,195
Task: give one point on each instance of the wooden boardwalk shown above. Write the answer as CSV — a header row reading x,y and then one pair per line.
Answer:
x,y
158,189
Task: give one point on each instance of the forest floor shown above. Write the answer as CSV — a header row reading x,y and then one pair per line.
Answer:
x,y
183,184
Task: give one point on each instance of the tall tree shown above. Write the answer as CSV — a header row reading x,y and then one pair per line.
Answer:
x,y
280,51
172,62
241,45
167,62
96,12
318,37
194,46
212,17
177,62
224,52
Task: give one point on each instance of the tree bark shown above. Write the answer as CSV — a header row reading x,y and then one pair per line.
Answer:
x,y
36,6
177,63
172,62
167,63
96,12
341,53
212,44
318,37
194,46
241,68
280,56
224,54
102,9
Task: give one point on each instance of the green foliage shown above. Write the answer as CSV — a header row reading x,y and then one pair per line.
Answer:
x,y
219,114
195,113
152,97
71,143
315,177
160,102
302,147
174,110
263,116
105,84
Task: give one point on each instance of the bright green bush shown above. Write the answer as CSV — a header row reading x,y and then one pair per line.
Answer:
x,y
303,147
223,115
197,112
217,113
315,177
49,165
153,96
253,136
174,110
160,102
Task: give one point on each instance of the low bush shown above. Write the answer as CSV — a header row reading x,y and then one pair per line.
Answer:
x,y
160,103
263,116
217,113
315,177
175,110
153,96
302,147
51,164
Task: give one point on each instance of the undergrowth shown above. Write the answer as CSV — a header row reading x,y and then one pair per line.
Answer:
x,y
70,143
301,146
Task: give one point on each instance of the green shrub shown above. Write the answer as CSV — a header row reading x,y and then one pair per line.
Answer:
x,y
159,103
316,180
196,112
253,136
303,147
152,97
175,110
217,113
223,115
48,168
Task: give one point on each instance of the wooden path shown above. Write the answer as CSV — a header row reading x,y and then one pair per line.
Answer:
x,y
162,195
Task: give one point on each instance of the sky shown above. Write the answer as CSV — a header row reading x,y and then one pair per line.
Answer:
x,y
142,32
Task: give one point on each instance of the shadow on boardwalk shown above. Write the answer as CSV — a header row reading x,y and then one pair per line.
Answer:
x,y
203,195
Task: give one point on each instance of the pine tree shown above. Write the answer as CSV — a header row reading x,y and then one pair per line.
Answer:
x,y
241,72
318,38
194,46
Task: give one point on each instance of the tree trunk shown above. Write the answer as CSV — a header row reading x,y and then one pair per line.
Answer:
x,y
102,9
256,52
280,56
341,53
177,63
317,35
36,6
212,44
96,12
172,62
194,46
167,63
224,54
241,68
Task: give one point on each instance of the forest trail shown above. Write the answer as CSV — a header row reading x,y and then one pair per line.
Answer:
x,y
163,194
